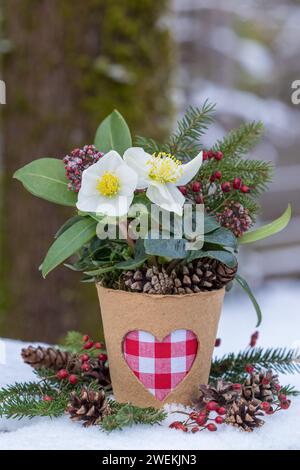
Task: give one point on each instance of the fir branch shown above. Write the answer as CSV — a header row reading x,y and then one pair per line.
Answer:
x,y
184,143
289,390
240,141
127,415
149,145
24,389
232,366
73,342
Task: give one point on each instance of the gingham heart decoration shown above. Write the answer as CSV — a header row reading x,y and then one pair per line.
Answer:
x,y
160,365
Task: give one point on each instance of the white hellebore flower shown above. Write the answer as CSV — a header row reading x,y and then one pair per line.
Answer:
x,y
161,174
107,187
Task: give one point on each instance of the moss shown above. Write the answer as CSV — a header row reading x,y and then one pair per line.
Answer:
x,y
130,64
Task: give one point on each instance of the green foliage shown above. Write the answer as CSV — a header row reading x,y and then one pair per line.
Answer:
x,y
125,415
243,283
46,179
73,342
68,243
240,141
232,366
113,134
267,230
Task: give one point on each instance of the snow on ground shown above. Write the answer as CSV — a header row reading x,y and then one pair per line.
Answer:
x,y
281,327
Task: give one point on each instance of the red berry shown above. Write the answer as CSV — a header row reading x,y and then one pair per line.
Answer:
x,y
218,342
195,429
211,154
236,386
175,424
265,381
205,155
221,410
237,183
102,357
212,178
47,398
199,199
84,357
196,186
193,415
85,367
265,406
245,189
183,190
88,345
62,374
218,175
201,420
219,420
249,368
73,379
219,155
85,338
278,387
226,186
270,411
98,345
285,404
211,427
282,397
212,406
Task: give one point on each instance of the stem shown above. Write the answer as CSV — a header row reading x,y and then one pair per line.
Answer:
x,y
124,231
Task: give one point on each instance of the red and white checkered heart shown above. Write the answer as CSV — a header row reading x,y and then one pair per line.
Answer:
x,y
160,365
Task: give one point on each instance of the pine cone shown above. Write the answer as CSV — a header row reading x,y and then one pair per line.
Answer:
x,y
244,415
200,275
223,393
55,359
90,407
261,386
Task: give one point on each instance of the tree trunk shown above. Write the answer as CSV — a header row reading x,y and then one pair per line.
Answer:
x,y
58,73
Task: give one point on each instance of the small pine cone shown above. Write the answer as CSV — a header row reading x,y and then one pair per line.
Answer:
x,y
49,358
222,392
244,415
149,280
236,218
90,406
261,386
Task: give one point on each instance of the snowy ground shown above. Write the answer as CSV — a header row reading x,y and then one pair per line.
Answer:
x,y
281,327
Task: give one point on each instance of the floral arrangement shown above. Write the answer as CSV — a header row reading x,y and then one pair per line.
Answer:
x,y
103,183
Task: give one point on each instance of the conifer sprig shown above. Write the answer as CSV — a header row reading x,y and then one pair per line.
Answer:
x,y
241,140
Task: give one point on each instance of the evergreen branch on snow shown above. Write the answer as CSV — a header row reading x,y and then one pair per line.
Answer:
x,y
232,366
125,415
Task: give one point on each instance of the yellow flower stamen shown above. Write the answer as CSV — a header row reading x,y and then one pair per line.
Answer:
x,y
109,184
164,167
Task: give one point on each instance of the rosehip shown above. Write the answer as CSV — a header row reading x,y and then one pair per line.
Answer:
x,y
73,379
211,154
217,342
201,420
102,357
193,415
196,186
237,183
282,397
204,155
226,186
245,188
219,420
199,199
285,404
211,427
221,410
98,345
195,429
265,406
62,374
212,406
84,357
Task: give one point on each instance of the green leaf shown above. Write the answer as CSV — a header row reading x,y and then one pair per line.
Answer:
x,y
210,224
269,229
138,260
73,220
221,236
45,178
243,283
172,248
113,134
68,243
224,256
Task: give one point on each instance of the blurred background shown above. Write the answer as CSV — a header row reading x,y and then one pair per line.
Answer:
x,y
67,64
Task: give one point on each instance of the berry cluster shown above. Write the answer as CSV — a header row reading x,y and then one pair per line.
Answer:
x,y
78,161
210,154
197,421
236,218
93,349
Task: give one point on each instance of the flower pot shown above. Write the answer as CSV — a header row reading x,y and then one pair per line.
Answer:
x,y
159,346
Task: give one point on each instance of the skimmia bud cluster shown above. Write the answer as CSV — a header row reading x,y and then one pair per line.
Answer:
x,y
78,161
236,218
